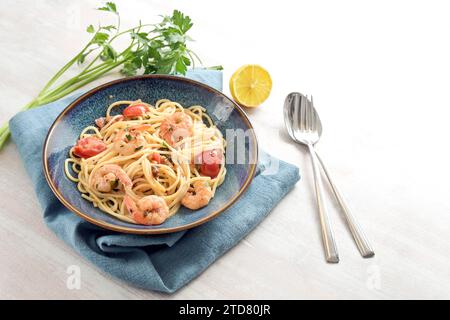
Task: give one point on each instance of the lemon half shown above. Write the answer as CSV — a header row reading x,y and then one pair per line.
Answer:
x,y
250,85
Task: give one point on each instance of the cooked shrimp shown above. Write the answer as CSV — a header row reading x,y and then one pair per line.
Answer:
x,y
107,178
103,121
100,122
130,140
149,210
198,196
176,127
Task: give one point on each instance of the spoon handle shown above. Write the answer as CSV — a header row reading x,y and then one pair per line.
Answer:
x,y
331,253
358,235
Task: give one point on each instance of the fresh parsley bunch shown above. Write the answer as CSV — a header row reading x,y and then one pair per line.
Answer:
x,y
153,48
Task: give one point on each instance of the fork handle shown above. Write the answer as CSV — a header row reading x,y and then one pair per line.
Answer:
x,y
362,243
331,253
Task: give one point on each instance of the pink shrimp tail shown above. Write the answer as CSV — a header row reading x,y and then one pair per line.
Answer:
x,y
100,122
126,181
130,204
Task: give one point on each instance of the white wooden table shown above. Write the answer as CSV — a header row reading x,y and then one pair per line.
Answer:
x,y
379,72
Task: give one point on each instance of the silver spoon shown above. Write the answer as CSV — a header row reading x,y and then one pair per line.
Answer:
x,y
358,235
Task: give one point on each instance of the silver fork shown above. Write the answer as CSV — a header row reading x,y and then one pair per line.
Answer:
x,y
304,127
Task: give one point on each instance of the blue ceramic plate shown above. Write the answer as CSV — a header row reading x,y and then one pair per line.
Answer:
x,y
65,131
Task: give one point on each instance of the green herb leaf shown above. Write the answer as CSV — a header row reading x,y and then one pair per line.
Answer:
x,y
141,37
129,137
181,66
108,52
150,69
109,28
90,29
81,59
183,22
130,68
214,68
100,38
109,6
83,56
165,145
138,148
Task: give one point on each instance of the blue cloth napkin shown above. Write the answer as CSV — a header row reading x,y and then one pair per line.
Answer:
x,y
162,262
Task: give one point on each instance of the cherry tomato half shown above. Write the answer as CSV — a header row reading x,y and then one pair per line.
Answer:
x,y
89,147
210,163
135,110
157,158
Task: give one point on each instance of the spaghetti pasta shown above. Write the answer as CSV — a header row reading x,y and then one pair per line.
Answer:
x,y
143,165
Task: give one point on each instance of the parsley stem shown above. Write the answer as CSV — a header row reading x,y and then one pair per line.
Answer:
x,y
198,58
65,90
91,63
132,29
5,135
89,68
64,69
89,75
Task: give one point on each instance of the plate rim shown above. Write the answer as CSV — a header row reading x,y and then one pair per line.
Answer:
x,y
130,230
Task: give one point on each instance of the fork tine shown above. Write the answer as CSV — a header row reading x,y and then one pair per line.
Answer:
x,y
313,115
303,113
307,113
307,107
296,120
317,121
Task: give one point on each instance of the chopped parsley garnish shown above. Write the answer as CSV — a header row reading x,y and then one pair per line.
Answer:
x,y
165,145
114,184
